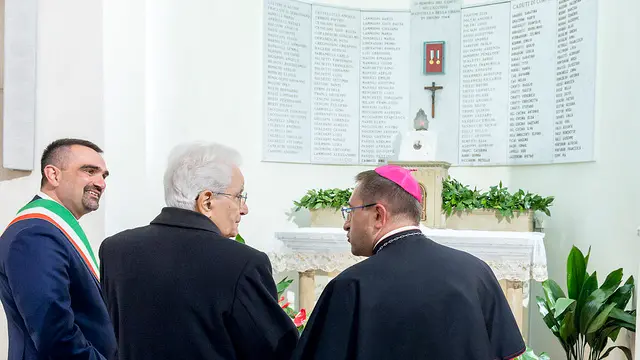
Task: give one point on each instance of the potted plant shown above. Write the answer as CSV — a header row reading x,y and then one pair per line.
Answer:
x,y
587,316
324,205
496,209
530,355
299,318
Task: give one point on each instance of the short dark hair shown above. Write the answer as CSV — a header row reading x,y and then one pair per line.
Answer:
x,y
373,188
54,153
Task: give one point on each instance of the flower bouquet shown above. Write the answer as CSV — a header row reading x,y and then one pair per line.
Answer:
x,y
299,318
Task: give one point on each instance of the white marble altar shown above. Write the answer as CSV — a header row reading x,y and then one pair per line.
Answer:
x,y
514,256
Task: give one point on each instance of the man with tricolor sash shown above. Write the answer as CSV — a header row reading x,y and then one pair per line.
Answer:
x,y
49,274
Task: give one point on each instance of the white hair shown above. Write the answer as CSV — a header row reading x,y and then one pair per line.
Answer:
x,y
195,167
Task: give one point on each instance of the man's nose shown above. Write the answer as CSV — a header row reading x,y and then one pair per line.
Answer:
x,y
244,209
347,225
100,183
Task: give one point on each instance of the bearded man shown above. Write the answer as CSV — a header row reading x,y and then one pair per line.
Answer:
x,y
49,276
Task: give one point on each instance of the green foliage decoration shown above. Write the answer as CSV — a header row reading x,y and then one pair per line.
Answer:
x,y
324,199
458,197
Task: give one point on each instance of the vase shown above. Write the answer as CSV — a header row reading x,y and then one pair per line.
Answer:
x,y
490,220
326,217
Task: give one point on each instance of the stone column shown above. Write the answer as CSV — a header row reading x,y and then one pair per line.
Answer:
x,y
513,292
307,286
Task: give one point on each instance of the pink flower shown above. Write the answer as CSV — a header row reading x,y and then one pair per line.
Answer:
x,y
300,318
285,305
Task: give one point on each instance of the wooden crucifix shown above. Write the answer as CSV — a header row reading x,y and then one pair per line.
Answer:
x,y
433,89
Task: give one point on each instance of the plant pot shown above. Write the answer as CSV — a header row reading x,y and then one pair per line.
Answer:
x,y
490,220
326,218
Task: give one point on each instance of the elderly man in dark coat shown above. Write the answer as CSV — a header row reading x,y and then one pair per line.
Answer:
x,y
180,288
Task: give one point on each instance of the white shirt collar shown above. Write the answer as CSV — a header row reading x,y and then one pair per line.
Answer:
x,y
47,197
392,232
44,196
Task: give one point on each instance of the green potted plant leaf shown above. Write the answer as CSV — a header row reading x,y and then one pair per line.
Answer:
x,y
530,355
496,209
325,205
587,316
240,239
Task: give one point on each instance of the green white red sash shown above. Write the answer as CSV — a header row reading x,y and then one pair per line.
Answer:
x,y
64,220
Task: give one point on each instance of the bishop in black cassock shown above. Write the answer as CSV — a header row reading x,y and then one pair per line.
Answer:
x,y
412,298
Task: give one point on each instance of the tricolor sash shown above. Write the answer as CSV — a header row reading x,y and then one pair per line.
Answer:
x,y
63,219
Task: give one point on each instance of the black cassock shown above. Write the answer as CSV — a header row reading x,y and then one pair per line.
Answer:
x,y
413,299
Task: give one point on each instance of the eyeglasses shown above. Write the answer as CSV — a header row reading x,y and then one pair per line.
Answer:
x,y
242,198
346,211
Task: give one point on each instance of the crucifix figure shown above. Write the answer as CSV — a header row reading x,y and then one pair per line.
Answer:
x,y
433,89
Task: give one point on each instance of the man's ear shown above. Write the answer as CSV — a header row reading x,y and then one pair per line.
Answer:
x,y
203,202
53,175
381,215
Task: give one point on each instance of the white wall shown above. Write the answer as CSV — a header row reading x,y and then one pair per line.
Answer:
x,y
69,100
598,204
204,82
69,93
124,31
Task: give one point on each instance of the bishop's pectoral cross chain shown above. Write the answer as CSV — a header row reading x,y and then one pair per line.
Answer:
x,y
433,89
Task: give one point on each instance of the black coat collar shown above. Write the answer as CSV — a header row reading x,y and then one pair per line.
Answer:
x,y
393,238
189,219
